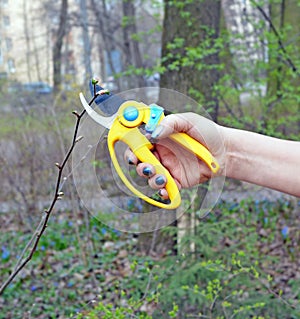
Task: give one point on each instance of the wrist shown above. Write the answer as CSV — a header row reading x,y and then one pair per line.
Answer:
x,y
262,160
233,152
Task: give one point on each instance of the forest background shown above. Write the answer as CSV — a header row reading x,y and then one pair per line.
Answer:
x,y
240,60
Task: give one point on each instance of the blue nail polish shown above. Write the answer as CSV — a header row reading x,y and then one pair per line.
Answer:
x,y
159,180
147,171
157,132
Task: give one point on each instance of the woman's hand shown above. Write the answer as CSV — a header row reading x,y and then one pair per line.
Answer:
x,y
242,155
186,169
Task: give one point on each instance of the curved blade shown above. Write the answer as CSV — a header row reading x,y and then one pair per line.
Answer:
x,y
102,120
108,103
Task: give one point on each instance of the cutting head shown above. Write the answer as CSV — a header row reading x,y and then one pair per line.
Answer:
x,y
107,103
102,120
125,211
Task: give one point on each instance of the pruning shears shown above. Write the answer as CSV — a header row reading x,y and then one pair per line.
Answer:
x,y
123,125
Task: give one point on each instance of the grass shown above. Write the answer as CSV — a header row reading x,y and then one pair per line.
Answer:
x,y
80,264
245,263
58,273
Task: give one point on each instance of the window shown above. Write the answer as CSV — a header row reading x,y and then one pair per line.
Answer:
x,y
3,3
1,54
11,66
6,21
9,44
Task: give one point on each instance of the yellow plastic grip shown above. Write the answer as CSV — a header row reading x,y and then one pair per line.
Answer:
x,y
141,147
125,129
197,148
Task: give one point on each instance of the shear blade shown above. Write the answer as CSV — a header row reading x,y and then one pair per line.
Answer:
x,y
102,120
108,103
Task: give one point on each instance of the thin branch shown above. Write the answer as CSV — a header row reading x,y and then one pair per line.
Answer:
x,y
213,304
279,41
274,293
34,241
239,120
29,243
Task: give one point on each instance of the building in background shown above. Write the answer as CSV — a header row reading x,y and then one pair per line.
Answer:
x,y
26,37
7,61
247,28
28,28
28,31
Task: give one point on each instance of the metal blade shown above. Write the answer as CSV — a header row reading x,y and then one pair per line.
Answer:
x,y
108,103
102,120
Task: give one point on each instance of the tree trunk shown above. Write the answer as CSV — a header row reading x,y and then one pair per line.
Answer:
x,y
132,51
105,30
36,55
58,44
188,29
27,39
190,60
86,40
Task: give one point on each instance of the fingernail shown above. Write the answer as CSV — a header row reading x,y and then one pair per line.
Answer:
x,y
163,195
153,140
147,171
159,180
130,162
157,132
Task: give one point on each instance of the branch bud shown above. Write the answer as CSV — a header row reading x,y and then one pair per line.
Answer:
x,y
79,138
95,80
58,165
76,113
102,92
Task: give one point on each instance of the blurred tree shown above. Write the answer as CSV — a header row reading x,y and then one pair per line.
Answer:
x,y
27,40
190,64
106,28
129,39
131,46
86,40
190,54
58,44
284,44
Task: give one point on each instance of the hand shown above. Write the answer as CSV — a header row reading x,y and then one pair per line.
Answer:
x,y
242,155
186,169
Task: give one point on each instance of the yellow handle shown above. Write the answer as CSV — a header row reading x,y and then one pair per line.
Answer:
x,y
141,147
197,148
125,129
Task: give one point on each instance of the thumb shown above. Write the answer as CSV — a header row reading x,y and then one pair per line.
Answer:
x,y
173,123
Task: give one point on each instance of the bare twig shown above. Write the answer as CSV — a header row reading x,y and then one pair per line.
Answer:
x,y
239,120
279,41
19,191
34,241
274,293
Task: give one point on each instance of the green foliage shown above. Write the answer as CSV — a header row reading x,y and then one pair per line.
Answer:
x,y
235,269
237,263
260,95
226,274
